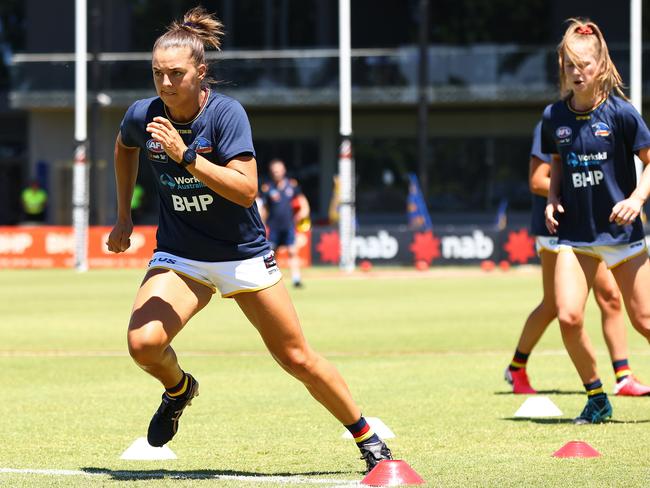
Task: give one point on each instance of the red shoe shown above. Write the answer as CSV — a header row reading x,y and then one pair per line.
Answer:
x,y
519,381
630,386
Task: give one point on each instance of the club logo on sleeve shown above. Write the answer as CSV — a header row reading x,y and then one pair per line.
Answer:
x,y
155,151
601,129
201,145
563,135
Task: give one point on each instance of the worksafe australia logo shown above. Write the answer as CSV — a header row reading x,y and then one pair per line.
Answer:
x,y
181,182
167,180
594,159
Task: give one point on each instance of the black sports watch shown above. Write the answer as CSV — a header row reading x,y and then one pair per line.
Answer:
x,y
189,157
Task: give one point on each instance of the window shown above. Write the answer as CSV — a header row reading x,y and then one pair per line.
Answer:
x,y
466,174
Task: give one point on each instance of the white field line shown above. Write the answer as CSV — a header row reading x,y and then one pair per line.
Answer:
x,y
290,480
199,354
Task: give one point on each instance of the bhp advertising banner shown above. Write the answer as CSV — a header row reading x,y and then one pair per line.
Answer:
x,y
53,247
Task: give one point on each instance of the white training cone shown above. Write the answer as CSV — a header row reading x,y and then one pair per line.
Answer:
x,y
380,428
538,406
140,450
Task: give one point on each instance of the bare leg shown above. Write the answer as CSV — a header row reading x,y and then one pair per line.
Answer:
x,y
633,278
608,299
163,305
545,312
574,274
272,313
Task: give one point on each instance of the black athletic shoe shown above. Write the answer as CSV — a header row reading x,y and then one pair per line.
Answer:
x,y
164,423
595,412
374,452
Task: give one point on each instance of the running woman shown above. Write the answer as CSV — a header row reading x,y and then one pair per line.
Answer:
x,y
594,200
605,292
279,195
210,235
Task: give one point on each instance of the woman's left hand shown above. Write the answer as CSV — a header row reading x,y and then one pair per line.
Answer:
x,y
164,132
626,211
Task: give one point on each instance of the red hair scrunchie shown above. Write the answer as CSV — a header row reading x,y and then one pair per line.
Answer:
x,y
585,30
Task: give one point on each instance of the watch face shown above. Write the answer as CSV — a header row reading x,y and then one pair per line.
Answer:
x,y
189,156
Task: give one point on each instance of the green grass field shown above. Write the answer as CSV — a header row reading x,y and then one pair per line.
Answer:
x,y
425,353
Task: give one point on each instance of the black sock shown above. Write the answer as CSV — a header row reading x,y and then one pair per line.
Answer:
x,y
180,388
519,361
595,391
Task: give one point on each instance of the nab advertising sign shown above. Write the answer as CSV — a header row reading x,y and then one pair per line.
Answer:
x,y
400,246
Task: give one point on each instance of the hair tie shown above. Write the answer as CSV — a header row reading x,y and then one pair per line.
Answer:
x,y
191,24
585,30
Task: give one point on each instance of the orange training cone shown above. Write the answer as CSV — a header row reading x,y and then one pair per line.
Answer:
x,y
365,265
576,449
392,473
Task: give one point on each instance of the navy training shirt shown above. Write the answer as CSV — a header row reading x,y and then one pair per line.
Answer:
x,y
278,198
537,217
195,222
597,151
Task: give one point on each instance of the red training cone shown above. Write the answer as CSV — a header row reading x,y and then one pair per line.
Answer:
x,y
576,449
392,473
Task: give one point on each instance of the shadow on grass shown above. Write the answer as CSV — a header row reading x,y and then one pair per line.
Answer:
x,y
198,474
547,421
545,392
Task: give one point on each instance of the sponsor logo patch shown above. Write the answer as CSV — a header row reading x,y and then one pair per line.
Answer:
x,y
202,145
155,151
181,182
162,260
269,261
575,160
195,203
601,129
167,180
563,134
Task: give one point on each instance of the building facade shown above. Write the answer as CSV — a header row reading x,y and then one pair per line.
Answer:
x,y
491,71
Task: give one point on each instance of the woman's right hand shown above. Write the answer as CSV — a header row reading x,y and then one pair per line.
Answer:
x,y
549,213
119,238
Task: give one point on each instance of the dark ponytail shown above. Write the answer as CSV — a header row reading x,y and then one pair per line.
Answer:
x,y
198,30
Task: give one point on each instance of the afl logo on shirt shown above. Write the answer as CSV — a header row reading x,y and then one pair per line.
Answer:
x,y
563,135
155,151
601,129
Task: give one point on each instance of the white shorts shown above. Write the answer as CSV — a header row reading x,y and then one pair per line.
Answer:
x,y
229,277
547,243
612,255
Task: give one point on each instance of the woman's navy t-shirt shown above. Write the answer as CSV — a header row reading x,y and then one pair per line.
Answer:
x,y
194,221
